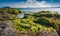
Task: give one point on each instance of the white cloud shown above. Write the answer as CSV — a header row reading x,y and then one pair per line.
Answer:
x,y
31,4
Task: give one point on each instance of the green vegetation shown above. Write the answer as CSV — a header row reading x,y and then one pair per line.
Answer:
x,y
39,21
9,10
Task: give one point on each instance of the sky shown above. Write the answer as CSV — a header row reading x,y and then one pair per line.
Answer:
x,y
30,3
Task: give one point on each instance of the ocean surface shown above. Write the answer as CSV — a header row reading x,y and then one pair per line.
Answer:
x,y
29,10
55,9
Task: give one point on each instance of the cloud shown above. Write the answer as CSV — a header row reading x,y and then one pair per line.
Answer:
x,y
30,4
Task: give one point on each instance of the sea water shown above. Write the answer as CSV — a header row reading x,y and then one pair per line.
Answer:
x,y
29,10
40,9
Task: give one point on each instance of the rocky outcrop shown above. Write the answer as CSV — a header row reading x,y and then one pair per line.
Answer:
x,y
42,33
7,30
47,33
58,31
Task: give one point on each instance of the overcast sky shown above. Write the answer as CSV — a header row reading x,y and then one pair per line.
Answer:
x,y
30,3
